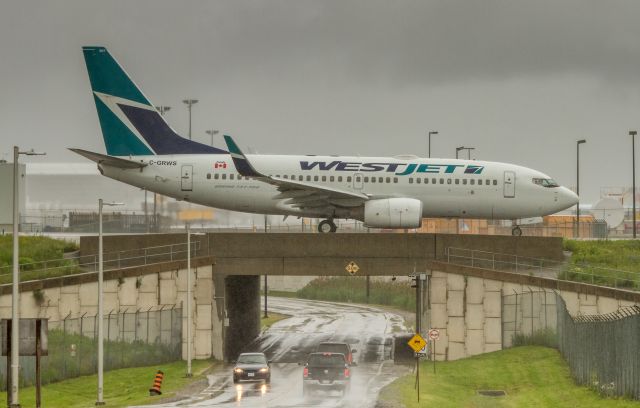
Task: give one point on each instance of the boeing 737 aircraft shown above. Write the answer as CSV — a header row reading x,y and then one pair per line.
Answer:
x,y
383,192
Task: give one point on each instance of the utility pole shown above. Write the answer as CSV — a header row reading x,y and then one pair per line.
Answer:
x,y
431,133
578,143
190,103
633,134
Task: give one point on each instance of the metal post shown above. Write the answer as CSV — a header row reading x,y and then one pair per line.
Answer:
x,y
368,287
189,374
578,143
100,399
38,352
265,297
15,294
633,133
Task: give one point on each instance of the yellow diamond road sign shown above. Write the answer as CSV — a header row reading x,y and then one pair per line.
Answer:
x,y
417,343
352,268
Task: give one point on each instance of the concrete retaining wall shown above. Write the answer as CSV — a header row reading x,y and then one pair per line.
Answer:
x,y
142,292
468,310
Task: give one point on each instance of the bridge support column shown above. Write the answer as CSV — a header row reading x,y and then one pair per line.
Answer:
x,y
242,295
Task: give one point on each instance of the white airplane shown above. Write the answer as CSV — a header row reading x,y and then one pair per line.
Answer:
x,y
383,192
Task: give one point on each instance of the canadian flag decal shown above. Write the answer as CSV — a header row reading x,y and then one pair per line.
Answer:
x,y
220,165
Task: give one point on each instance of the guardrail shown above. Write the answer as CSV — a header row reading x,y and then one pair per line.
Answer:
x,y
575,272
111,261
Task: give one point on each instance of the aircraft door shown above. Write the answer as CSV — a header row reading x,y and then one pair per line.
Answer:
x,y
187,177
358,182
509,184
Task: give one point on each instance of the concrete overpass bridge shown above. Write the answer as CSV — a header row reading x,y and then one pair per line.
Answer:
x,y
464,302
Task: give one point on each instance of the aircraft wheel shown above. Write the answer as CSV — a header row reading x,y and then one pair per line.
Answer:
x,y
326,226
516,231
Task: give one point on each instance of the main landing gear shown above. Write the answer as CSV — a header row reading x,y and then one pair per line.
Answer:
x,y
327,226
516,231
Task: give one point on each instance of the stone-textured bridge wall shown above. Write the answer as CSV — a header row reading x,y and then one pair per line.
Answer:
x,y
131,289
466,305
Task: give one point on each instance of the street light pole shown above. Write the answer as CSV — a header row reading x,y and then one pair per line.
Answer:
x,y
211,133
190,103
15,286
162,109
100,399
458,150
431,133
633,134
189,373
578,143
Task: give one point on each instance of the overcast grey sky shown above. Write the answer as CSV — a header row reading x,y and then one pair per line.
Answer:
x,y
519,81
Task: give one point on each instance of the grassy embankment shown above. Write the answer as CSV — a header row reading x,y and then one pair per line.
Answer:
x,y
122,388
33,251
604,262
531,376
271,320
353,289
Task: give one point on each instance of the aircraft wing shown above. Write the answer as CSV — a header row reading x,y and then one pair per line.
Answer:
x,y
297,194
109,160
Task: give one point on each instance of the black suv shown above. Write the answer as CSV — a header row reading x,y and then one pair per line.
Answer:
x,y
326,371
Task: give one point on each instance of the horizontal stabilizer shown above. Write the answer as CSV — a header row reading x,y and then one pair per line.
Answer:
x,y
109,160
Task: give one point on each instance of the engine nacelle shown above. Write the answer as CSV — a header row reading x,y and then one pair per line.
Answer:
x,y
393,213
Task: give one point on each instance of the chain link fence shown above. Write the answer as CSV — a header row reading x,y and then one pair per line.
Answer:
x,y
529,318
602,350
132,338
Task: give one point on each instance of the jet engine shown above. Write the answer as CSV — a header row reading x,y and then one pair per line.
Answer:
x,y
393,213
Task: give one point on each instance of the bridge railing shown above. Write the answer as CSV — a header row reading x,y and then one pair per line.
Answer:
x,y
111,261
569,271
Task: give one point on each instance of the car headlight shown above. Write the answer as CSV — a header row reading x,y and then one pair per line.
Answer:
x,y
264,370
238,370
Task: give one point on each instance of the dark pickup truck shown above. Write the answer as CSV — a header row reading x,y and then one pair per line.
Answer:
x,y
326,371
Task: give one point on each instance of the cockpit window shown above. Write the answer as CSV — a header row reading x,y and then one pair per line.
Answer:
x,y
549,183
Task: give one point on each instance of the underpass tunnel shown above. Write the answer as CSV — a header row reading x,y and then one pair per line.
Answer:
x,y
242,295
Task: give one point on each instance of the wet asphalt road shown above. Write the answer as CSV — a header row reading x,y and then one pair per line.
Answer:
x,y
368,330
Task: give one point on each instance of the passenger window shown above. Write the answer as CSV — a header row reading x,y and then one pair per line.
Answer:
x,y
331,178
285,176
426,181
373,179
339,179
441,181
224,176
324,178
315,178
433,181
380,179
300,178
457,181
480,182
216,176
472,181
487,182
448,181
366,179
388,179
358,179
410,182
208,178
348,179
464,181
418,180
231,176
293,177
395,179
495,182
308,178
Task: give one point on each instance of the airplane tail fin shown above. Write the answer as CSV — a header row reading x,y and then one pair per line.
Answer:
x,y
130,123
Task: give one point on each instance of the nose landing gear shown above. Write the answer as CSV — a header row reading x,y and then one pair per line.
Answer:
x,y
327,226
516,231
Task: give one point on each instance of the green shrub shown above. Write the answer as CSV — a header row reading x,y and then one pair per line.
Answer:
x,y
543,337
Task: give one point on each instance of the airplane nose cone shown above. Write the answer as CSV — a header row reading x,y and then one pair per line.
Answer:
x,y
568,197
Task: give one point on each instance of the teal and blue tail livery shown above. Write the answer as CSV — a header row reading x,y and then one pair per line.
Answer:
x,y
130,123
